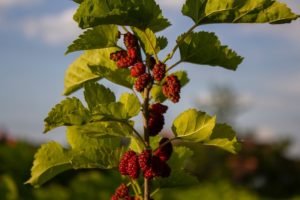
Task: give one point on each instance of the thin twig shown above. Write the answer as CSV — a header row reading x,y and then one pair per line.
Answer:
x,y
174,65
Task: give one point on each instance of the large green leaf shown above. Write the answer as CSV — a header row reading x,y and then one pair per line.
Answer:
x,y
131,104
179,176
224,137
238,11
206,49
95,94
52,159
102,36
68,112
193,126
127,107
148,40
156,91
79,73
106,129
108,69
139,13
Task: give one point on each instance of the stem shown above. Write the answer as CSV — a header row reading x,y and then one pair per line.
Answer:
x,y
146,137
170,55
174,65
154,192
125,29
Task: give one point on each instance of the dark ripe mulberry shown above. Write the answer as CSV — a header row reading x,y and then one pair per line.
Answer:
x,y
124,162
166,170
138,69
155,123
148,173
159,71
130,40
164,152
158,108
142,82
122,191
145,159
171,88
133,168
150,62
118,55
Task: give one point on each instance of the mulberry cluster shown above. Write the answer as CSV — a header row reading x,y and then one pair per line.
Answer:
x,y
122,193
155,165
127,58
129,165
159,71
156,119
171,88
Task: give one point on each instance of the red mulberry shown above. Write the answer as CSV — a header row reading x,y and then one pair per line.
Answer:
x,y
159,71
122,191
138,69
130,40
133,167
142,82
118,55
171,88
132,53
145,159
164,152
158,108
124,162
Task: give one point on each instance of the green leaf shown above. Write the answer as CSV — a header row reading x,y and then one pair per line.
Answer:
x,y
96,38
206,49
238,11
52,159
179,176
138,13
127,107
162,42
131,104
106,129
148,40
108,69
79,73
193,126
95,94
68,112
156,90
223,137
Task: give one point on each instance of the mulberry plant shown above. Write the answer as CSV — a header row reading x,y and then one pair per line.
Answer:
x,y
122,43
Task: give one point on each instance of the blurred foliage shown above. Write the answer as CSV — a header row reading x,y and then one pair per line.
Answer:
x,y
259,171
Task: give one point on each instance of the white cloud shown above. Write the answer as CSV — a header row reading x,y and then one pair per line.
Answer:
x,y
14,3
53,29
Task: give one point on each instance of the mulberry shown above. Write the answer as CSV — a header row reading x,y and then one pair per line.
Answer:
x,y
130,40
133,168
122,191
171,88
145,159
118,55
159,71
142,82
138,69
132,54
150,62
155,123
124,162
164,152
158,108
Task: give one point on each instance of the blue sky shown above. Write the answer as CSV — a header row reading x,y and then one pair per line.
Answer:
x,y
34,35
